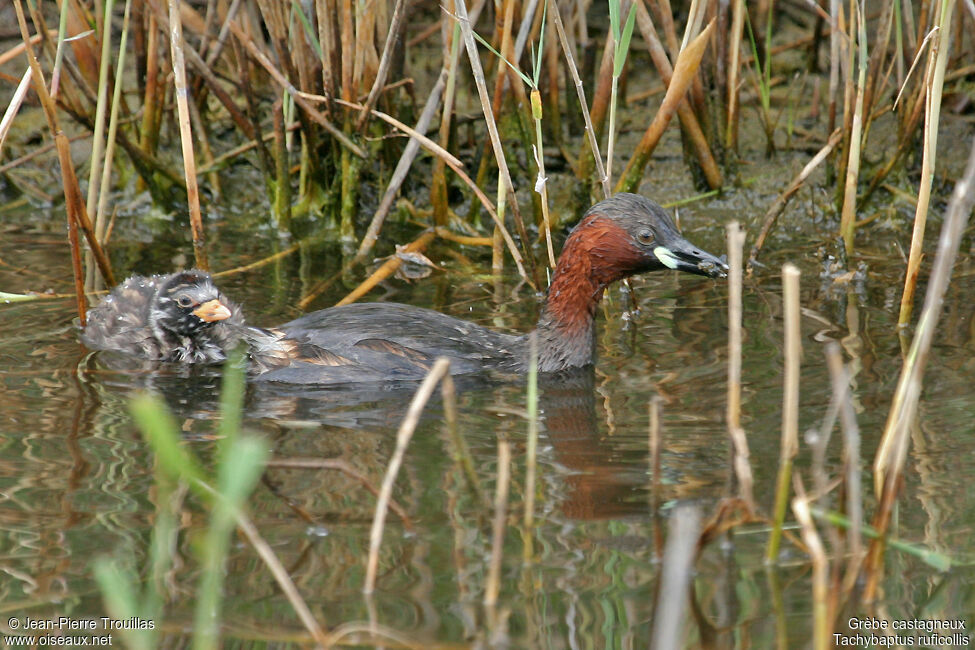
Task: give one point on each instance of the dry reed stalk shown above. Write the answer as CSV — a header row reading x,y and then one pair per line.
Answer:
x,y
281,201
263,261
505,175
736,240
79,20
20,48
65,92
879,47
384,63
101,219
599,107
294,58
530,26
218,45
820,579
839,378
457,167
438,181
531,449
835,33
665,16
366,57
675,578
14,106
186,136
892,454
848,213
688,120
790,405
734,66
922,19
460,451
74,205
438,371
684,72
552,87
783,199
208,20
846,62
500,86
464,240
149,133
223,159
248,43
655,444
934,85
581,94
348,90
264,160
101,106
371,235
326,14
697,14
139,43
387,269
905,144
146,165
493,583
213,85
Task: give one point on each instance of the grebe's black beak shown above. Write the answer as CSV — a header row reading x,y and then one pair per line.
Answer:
x,y
682,255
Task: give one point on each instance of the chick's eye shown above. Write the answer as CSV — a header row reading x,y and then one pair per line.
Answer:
x,y
184,301
645,237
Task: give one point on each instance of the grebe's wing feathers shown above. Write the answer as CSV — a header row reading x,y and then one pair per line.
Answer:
x,y
406,339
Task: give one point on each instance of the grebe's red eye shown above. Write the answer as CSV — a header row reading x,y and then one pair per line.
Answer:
x,y
645,237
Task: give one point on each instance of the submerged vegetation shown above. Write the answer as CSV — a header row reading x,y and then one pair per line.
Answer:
x,y
325,98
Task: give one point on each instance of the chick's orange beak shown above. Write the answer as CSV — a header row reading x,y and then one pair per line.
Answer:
x,y
212,311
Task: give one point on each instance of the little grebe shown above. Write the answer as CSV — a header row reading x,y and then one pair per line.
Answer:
x,y
183,317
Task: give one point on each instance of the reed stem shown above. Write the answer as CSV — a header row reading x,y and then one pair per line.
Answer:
x,y
743,471
531,449
848,215
820,577
675,578
790,406
493,585
892,453
186,136
934,85
438,371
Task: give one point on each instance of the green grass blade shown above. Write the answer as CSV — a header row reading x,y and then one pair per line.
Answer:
x,y
232,397
614,18
237,474
119,593
537,58
623,45
933,559
511,65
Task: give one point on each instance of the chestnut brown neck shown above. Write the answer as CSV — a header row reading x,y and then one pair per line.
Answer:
x,y
597,253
